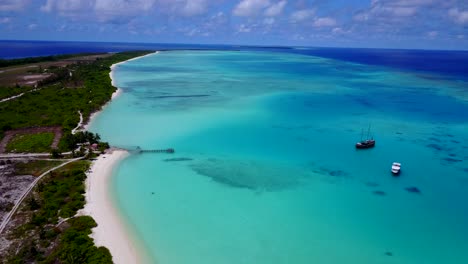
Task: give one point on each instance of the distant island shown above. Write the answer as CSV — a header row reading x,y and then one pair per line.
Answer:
x,y
45,154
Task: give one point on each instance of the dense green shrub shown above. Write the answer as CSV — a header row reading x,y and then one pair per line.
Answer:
x,y
57,104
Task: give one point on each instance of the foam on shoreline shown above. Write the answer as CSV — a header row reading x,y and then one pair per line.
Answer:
x,y
111,231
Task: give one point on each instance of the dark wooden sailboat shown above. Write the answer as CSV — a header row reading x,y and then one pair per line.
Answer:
x,y
369,142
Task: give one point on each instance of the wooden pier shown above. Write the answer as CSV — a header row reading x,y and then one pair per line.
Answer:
x,y
138,149
169,150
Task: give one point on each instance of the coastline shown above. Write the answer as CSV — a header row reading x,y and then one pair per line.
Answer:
x,y
116,93
111,231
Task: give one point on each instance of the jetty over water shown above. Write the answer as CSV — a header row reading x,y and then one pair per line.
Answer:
x,y
169,150
138,149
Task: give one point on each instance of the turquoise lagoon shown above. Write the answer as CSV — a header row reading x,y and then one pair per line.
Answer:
x,y
265,169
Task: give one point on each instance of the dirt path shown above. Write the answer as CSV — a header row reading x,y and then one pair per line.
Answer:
x,y
26,192
79,124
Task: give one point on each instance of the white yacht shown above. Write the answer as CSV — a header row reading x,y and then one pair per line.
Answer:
x,y
396,167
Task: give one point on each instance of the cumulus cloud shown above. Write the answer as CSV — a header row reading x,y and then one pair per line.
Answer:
x,y
244,29
268,21
302,15
115,10
5,20
324,22
460,17
340,31
432,34
275,9
13,5
194,7
392,9
250,7
102,10
68,7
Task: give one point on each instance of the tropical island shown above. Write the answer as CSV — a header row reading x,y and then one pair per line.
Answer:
x,y
45,154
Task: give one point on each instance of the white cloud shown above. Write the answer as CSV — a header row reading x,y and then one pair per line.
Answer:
x,y
302,15
340,31
460,17
5,20
392,9
432,34
68,7
32,26
298,37
102,10
324,22
276,9
110,10
244,29
194,7
13,5
268,21
250,7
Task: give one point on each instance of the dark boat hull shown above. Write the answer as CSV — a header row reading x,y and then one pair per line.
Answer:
x,y
365,144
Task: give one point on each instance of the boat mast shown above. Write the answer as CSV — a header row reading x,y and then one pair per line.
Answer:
x,y
368,133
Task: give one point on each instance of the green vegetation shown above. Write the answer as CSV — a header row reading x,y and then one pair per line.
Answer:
x,y
22,61
57,104
59,196
36,167
85,86
77,247
33,143
6,92
82,165
70,141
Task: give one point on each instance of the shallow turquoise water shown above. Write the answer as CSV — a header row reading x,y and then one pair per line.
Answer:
x,y
265,169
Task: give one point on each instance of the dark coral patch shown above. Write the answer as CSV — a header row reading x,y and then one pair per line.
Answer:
x,y
452,160
379,193
413,189
336,173
434,146
177,159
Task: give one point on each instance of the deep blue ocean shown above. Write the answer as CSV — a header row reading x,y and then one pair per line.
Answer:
x,y
448,63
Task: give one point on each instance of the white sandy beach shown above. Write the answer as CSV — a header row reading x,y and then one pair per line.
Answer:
x,y
111,231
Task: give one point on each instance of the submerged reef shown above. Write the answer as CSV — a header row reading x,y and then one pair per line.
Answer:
x,y
177,159
250,174
337,173
413,189
379,193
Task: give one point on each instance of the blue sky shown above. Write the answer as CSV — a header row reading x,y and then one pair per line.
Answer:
x,y
427,24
